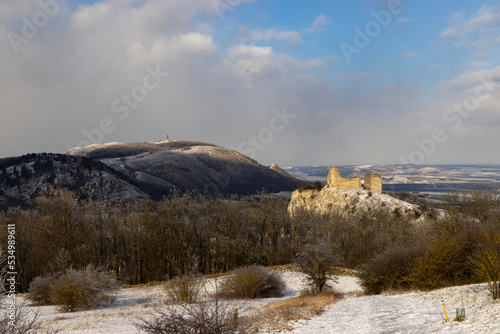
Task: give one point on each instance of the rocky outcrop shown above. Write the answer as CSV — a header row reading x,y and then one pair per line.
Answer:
x,y
348,202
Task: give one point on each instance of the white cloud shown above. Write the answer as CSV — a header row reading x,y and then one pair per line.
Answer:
x,y
476,23
319,23
12,10
292,38
254,64
65,80
465,83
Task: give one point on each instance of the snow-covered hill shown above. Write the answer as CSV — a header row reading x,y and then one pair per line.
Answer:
x,y
133,171
194,166
415,312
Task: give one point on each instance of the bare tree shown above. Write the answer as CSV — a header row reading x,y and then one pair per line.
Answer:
x,y
317,263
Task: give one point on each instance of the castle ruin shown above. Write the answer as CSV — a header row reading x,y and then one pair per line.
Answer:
x,y
372,181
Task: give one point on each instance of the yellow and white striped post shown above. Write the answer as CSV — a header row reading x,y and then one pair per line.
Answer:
x,y
444,308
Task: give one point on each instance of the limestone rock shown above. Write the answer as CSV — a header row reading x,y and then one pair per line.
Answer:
x,y
348,202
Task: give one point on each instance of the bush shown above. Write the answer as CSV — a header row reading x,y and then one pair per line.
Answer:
x,y
447,262
76,290
254,282
184,289
317,263
201,318
40,290
487,263
25,323
317,185
84,289
390,270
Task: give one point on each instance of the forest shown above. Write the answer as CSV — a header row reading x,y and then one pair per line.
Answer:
x,y
147,241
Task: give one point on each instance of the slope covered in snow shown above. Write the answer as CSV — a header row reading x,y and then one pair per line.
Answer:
x,y
189,165
414,312
133,171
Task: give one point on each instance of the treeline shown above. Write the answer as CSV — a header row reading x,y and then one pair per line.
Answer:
x,y
149,241
152,241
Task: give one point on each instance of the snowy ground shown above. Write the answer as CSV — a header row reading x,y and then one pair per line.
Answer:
x,y
415,312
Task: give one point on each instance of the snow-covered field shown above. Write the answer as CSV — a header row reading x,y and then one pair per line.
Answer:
x,y
415,312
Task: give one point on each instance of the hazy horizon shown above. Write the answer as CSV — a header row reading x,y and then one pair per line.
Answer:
x,y
294,83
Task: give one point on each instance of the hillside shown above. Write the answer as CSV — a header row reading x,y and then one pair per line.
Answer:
x,y
189,165
125,172
412,312
23,178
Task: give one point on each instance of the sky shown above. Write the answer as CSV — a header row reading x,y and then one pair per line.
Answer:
x,y
316,82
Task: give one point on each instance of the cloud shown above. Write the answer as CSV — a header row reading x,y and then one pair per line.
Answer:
x,y
466,83
319,23
293,38
476,23
354,75
66,79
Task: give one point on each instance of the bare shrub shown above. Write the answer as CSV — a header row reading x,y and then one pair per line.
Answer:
x,y
390,270
317,263
254,282
199,318
184,289
15,319
76,290
24,323
40,290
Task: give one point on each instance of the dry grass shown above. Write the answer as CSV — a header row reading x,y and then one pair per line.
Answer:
x,y
277,316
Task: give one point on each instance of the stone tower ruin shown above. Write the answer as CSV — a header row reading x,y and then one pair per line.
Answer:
x,y
334,179
372,181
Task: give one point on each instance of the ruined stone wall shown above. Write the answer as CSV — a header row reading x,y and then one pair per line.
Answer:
x,y
373,182
334,179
